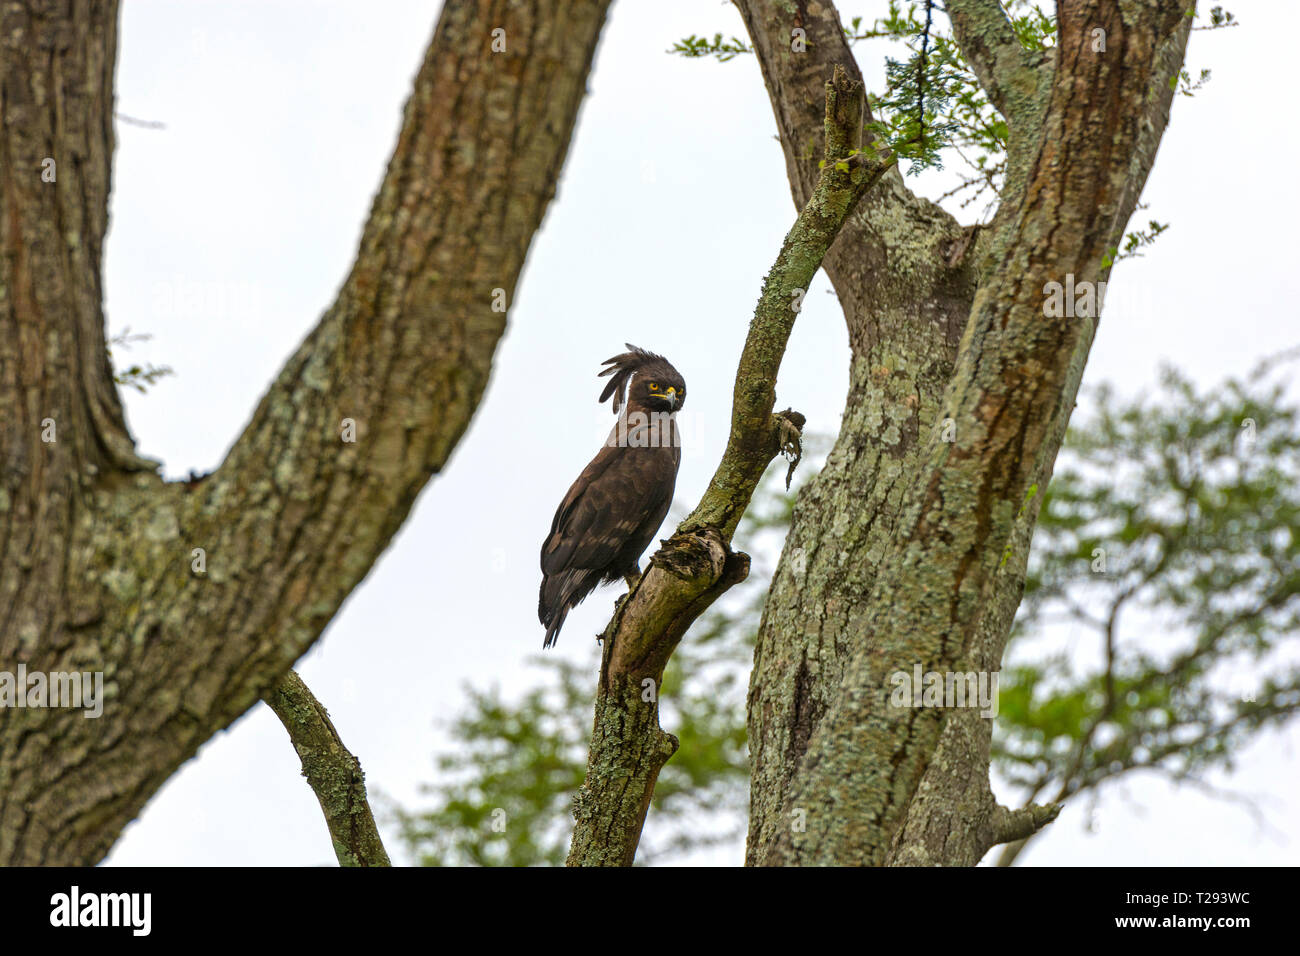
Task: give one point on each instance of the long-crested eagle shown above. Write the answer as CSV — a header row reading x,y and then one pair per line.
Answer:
x,y
618,502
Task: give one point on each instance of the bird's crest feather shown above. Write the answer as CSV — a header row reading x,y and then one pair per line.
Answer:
x,y
623,367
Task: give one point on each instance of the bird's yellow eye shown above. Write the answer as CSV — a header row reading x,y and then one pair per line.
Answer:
x,y
654,387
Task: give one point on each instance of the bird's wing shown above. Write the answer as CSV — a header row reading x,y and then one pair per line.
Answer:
x,y
603,510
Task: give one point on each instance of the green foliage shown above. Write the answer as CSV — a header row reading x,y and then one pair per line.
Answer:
x,y
503,793
139,377
931,101
724,50
1170,533
1134,242
1185,85
1034,27
505,790
1219,18
932,107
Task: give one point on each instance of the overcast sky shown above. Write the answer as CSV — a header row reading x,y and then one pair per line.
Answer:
x,y
233,227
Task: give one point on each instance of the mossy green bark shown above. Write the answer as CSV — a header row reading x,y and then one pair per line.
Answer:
x,y
332,772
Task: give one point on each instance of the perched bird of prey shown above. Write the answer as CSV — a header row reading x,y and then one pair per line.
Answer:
x,y
618,502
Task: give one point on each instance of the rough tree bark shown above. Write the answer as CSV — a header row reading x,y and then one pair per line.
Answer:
x,y
896,552
97,567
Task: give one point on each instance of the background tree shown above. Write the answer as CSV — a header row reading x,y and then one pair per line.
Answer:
x,y
1169,537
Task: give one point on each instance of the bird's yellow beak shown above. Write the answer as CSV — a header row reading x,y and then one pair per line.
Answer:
x,y
671,395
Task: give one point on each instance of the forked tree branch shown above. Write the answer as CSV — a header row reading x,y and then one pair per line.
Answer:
x,y
697,565
334,773
198,596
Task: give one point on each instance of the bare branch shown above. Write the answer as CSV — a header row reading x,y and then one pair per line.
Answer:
x,y
144,124
1010,825
335,775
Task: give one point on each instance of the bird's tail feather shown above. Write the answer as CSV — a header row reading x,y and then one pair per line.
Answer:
x,y
561,593
553,628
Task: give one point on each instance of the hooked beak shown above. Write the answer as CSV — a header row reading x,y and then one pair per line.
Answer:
x,y
671,395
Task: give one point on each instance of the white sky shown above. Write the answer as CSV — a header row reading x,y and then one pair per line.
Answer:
x,y
233,227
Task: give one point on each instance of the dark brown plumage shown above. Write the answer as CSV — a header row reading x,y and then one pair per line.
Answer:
x,y
618,502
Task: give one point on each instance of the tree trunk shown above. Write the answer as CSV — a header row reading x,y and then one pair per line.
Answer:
x,y
908,548
192,599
